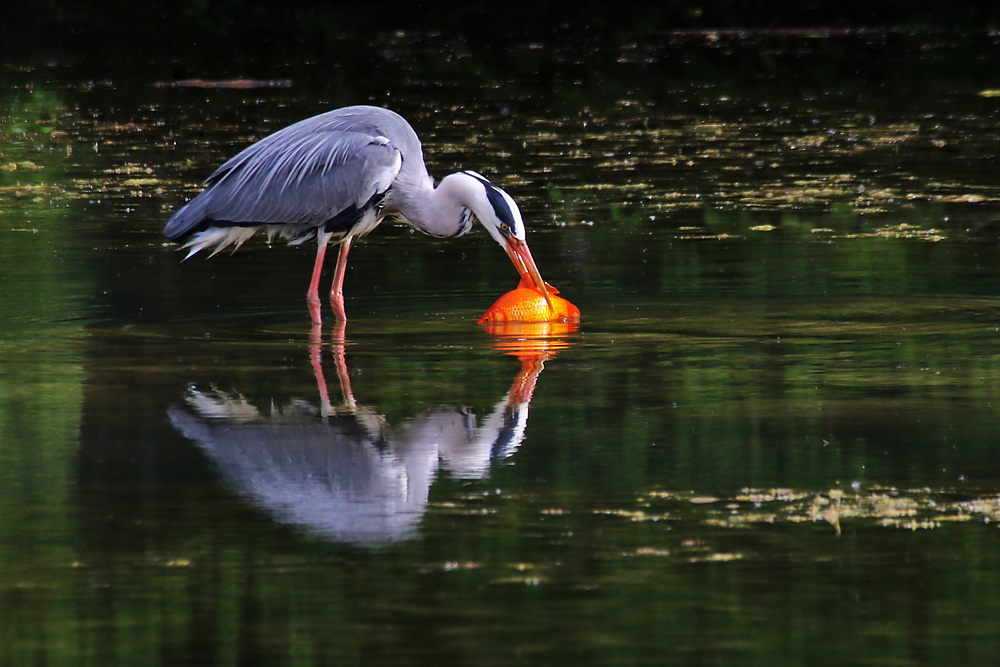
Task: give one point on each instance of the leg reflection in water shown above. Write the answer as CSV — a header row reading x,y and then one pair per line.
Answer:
x,y
337,344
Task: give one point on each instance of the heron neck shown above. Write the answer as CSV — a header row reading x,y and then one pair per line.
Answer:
x,y
438,211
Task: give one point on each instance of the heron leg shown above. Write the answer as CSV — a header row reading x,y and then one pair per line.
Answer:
x,y
312,294
337,289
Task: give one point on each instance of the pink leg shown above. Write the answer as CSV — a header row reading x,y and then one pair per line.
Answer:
x,y
312,294
337,289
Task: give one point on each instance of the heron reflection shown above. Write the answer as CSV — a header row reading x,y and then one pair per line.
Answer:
x,y
342,471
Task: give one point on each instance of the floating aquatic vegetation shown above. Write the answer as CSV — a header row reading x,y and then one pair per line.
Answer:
x,y
887,507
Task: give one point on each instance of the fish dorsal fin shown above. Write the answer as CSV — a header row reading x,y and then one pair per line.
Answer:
x,y
526,283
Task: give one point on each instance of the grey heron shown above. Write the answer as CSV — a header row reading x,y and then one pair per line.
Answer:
x,y
335,177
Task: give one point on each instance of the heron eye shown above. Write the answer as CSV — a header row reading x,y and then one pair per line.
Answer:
x,y
505,228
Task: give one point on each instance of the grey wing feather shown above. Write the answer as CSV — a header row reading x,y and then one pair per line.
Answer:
x,y
304,175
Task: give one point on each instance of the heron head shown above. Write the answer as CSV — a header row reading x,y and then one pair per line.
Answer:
x,y
498,213
496,210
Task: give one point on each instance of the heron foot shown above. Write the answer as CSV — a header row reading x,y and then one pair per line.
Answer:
x,y
337,303
315,310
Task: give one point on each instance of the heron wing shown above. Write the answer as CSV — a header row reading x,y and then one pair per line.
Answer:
x,y
310,177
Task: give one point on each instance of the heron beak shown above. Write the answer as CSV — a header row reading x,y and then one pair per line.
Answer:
x,y
519,254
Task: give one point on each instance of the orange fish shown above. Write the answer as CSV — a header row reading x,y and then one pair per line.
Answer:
x,y
527,304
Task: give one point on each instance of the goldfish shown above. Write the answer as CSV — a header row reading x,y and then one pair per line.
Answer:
x,y
527,304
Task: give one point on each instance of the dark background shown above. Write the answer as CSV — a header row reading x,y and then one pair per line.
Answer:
x,y
103,33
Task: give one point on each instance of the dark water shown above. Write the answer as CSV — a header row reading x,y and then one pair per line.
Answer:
x,y
772,440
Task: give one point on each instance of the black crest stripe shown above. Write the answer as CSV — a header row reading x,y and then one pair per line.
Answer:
x,y
497,201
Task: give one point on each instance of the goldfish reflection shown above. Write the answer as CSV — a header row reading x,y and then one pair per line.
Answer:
x,y
533,343
535,340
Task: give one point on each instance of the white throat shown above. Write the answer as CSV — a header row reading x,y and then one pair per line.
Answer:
x,y
446,210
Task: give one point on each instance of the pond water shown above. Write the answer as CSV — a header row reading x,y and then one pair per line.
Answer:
x,y
772,439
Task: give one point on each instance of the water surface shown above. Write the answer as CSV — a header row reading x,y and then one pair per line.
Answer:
x,y
772,439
